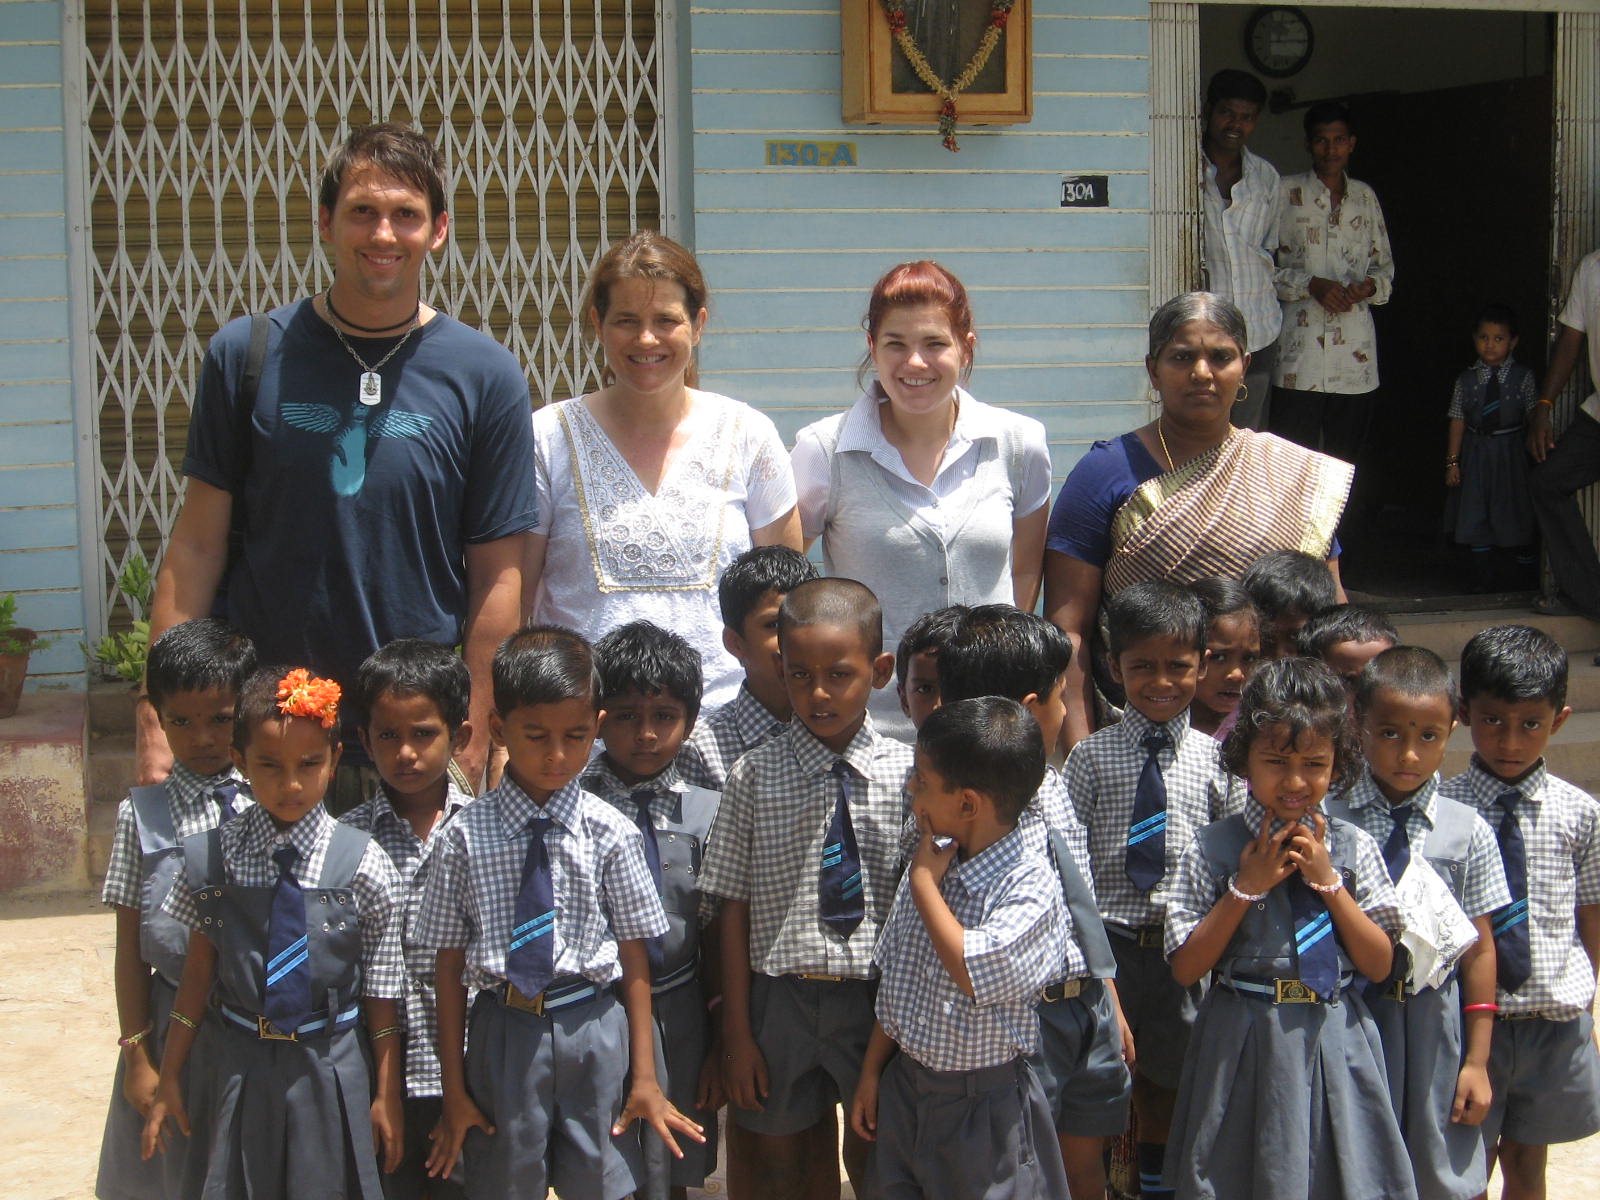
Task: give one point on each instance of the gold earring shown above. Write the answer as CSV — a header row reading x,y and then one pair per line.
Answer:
x,y
1243,393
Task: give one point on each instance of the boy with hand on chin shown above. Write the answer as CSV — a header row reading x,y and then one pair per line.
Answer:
x,y
805,855
977,930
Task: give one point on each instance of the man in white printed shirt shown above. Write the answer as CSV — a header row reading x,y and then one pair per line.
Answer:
x,y
1239,196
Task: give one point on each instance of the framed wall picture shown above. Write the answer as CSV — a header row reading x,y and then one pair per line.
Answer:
x,y
979,53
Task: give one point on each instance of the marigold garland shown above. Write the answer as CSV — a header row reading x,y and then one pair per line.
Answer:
x,y
301,695
999,13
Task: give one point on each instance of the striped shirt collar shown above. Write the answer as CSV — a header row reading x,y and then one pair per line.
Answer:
x,y
262,836
1134,725
517,808
816,759
1486,787
1364,793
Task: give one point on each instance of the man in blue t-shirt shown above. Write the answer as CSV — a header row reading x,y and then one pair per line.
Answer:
x,y
384,464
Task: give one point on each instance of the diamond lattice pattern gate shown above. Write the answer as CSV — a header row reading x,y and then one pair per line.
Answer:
x,y
207,127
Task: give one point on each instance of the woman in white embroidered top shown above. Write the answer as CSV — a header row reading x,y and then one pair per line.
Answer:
x,y
919,491
648,488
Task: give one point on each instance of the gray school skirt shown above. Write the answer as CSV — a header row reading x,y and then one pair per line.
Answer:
x,y
123,1174
1285,1100
682,1034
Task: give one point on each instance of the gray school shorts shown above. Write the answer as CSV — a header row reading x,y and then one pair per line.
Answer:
x,y
1080,1065
1160,1011
814,1036
1545,1077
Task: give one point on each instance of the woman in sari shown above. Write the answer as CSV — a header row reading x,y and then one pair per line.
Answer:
x,y
1186,496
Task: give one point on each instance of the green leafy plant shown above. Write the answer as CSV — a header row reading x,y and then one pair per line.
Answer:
x,y
122,655
10,643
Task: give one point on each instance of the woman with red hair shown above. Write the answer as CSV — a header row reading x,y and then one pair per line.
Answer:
x,y
919,491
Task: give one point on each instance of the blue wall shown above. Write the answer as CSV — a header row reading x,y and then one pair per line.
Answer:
x,y
38,481
1061,296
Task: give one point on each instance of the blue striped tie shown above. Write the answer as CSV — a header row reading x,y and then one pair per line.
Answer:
x,y
531,957
1510,924
223,794
1146,859
839,899
1314,941
287,999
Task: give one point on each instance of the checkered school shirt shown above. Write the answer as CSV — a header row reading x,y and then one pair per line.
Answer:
x,y
1007,901
1102,774
193,811
413,861
247,845
603,890
1193,891
766,846
1483,882
724,737
1561,830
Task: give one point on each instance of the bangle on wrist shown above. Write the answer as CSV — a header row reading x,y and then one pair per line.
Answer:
x,y
1233,890
1547,403
190,1022
1327,889
133,1039
1491,1008
711,1004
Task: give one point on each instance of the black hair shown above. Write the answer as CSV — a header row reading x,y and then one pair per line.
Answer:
x,y
1230,83
258,703
1409,671
930,631
1185,307
1497,314
989,744
1155,608
1328,627
1224,596
196,656
1512,663
414,667
1326,112
1283,581
647,659
757,571
397,152
543,664
1300,695
999,650
845,603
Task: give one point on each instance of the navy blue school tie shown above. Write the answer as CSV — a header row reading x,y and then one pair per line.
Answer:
x,y
1314,943
652,857
1490,417
223,794
1510,924
531,957
839,899
1397,850
1146,860
287,999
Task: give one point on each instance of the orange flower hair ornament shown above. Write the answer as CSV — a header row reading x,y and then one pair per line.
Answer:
x,y
301,695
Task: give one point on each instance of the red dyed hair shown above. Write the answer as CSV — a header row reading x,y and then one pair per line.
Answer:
x,y
914,284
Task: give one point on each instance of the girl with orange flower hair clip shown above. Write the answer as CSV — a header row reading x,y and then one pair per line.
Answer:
x,y
294,957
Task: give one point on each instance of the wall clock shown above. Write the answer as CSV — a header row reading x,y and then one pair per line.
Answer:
x,y
1278,41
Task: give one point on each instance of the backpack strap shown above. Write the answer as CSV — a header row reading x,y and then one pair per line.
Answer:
x,y
202,855
345,847
1453,826
1086,920
152,815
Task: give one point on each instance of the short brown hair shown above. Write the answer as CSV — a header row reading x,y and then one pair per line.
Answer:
x,y
394,150
646,255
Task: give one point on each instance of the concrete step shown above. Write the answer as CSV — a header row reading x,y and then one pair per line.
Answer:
x,y
111,708
1573,754
1445,633
110,770
102,827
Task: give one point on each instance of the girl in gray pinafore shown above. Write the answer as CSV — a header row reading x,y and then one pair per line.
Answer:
x,y
1283,1094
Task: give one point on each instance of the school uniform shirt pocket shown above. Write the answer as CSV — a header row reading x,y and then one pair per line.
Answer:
x,y
1552,888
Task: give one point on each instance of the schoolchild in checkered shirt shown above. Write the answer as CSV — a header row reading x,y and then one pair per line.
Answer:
x,y
410,703
1544,1070
978,928
805,855
1157,639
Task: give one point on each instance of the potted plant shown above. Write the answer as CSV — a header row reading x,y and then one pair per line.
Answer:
x,y
15,646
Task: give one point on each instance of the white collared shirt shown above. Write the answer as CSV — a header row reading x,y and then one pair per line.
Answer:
x,y
1241,236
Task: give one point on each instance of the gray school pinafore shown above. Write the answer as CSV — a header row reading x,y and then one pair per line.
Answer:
x,y
1422,1040
1281,1101
270,1117
682,1023
163,944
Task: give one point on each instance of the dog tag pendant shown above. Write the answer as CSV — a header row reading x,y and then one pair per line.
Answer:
x,y
371,389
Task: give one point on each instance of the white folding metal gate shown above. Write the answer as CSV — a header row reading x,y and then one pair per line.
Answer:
x,y
206,125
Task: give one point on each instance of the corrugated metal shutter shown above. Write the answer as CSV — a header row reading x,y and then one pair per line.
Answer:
x,y
208,125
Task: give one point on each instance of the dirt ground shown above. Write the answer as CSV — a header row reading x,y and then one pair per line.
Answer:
x,y
58,1048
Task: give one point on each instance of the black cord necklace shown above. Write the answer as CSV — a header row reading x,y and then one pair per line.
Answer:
x,y
327,298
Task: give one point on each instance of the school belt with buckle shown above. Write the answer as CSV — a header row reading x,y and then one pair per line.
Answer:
x,y
673,979
1062,989
1144,936
1281,991
319,1025
562,993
